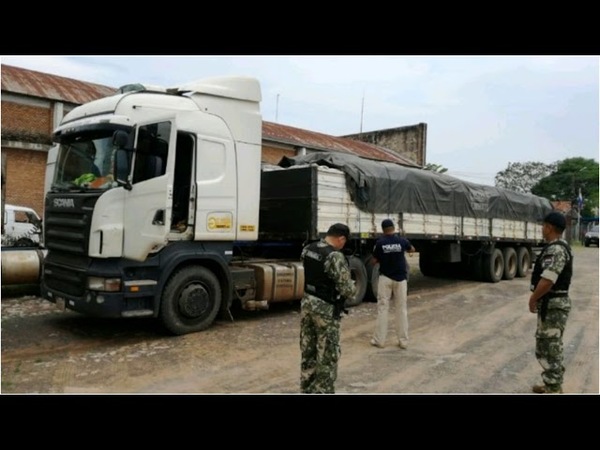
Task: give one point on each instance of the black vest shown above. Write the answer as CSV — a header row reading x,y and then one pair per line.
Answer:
x,y
316,281
564,279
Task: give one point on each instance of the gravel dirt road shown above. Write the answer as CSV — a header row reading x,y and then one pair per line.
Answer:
x,y
465,338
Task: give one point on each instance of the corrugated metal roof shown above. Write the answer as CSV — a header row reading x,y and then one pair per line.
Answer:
x,y
319,141
44,85
54,87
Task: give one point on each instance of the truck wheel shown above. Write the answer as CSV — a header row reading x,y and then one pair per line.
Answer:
x,y
190,301
429,267
371,294
523,261
510,263
493,266
359,275
375,280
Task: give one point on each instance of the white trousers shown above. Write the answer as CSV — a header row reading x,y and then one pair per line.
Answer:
x,y
389,291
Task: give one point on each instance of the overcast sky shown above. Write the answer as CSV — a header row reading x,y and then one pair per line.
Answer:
x,y
482,113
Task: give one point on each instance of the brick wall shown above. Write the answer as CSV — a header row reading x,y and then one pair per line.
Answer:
x,y
272,155
25,169
25,172
26,118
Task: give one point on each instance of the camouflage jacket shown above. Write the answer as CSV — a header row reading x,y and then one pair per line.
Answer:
x,y
553,262
337,269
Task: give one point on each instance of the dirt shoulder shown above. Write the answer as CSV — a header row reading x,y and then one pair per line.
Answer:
x,y
465,338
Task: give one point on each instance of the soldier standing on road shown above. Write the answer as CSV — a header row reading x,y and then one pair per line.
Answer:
x,y
550,282
390,252
327,285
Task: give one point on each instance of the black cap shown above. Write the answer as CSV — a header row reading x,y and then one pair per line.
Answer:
x,y
557,219
387,223
339,229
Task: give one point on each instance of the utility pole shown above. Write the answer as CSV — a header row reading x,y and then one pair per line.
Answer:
x,y
362,108
579,198
277,108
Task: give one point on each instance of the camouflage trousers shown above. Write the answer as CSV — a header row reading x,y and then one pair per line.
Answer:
x,y
549,345
320,349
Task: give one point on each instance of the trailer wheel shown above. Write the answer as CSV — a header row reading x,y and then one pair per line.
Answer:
x,y
523,261
371,294
374,280
190,301
359,275
493,265
510,263
428,266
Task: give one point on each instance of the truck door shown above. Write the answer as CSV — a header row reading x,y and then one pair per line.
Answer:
x,y
148,205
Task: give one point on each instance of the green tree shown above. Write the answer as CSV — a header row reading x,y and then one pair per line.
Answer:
x,y
571,175
521,177
437,168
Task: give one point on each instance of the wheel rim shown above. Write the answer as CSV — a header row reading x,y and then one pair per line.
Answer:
x,y
194,301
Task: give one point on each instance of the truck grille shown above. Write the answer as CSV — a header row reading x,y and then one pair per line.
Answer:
x,y
67,231
69,281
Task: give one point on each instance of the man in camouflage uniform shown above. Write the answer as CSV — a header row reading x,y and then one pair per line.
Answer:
x,y
327,284
550,282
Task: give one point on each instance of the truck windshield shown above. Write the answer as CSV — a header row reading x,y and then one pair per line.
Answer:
x,y
85,160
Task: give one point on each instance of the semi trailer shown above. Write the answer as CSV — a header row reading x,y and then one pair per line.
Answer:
x,y
158,206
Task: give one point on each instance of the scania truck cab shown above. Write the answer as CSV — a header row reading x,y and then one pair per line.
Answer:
x,y
127,233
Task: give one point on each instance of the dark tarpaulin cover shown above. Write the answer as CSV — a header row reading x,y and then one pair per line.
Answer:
x,y
385,187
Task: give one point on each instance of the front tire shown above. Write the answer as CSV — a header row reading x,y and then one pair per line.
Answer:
x,y
190,300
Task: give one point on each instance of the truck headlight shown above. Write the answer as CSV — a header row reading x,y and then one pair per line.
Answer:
x,y
104,284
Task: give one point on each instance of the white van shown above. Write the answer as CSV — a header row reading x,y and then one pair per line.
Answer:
x,y
22,227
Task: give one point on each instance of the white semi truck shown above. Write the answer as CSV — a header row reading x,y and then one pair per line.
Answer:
x,y
159,207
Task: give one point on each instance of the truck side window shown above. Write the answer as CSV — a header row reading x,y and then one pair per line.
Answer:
x,y
184,163
151,151
21,217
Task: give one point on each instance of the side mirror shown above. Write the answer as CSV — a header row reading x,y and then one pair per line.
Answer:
x,y
122,139
121,167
